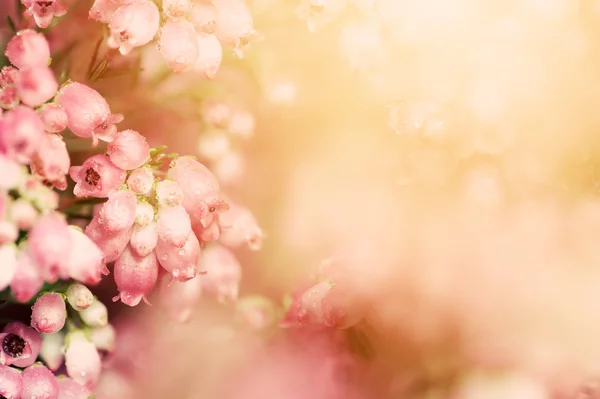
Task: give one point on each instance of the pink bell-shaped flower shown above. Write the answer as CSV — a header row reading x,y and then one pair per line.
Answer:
x,y
196,181
182,262
144,239
27,49
169,193
234,24
44,11
79,296
129,150
49,313
33,341
39,382
204,16
88,112
179,298
96,315
111,244
85,260
52,350
135,276
49,240
21,131
118,213
178,44
69,389
54,118
36,85
133,24
144,213
8,260
52,161
12,383
28,280
239,227
96,177
82,360
174,225
176,8
23,214
103,10
14,348
223,272
210,55
104,338
140,181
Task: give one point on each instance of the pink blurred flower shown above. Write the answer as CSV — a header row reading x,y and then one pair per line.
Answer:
x,y
82,360
135,276
8,260
178,44
238,227
223,272
230,168
70,389
144,239
8,232
49,313
79,296
174,225
23,214
103,10
129,150
52,350
9,97
44,11
36,85
54,118
140,181
104,338
176,8
182,262
204,16
234,24
12,382
210,55
85,260
96,177
49,240
52,161
88,112
96,315
21,131
27,49
241,124
12,174
133,24
179,298
27,280
8,75
216,113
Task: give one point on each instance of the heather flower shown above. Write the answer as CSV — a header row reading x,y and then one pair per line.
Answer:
x,y
178,298
88,112
129,150
49,313
234,23
82,360
140,181
28,279
51,351
169,194
49,240
211,232
176,8
52,161
23,214
96,177
210,55
103,338
12,175
70,389
33,343
174,225
144,213
96,315
103,10
79,296
179,262
85,260
204,16
111,245
239,227
135,276
8,232
12,382
144,239
196,181
223,272
178,44
54,118
14,348
36,85
118,213
27,49
44,11
8,260
133,24
21,131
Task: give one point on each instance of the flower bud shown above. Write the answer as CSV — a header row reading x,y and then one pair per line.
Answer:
x,y
168,193
52,350
144,239
96,315
133,25
118,213
36,85
85,262
49,313
54,118
9,97
144,213
52,161
82,360
39,382
174,225
28,280
21,131
182,262
96,177
104,338
12,383
178,44
110,244
79,296
33,341
196,181
135,276
28,48
140,181
129,150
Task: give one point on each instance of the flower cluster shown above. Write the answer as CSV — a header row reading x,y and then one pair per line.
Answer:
x,y
190,33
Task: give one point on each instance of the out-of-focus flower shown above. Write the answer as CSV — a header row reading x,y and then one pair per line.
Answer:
x,y
28,280
318,13
178,298
176,8
82,360
49,240
51,351
223,272
179,44
8,257
234,24
133,24
21,131
204,16
210,55
85,261
69,389
52,161
44,11
96,315
239,227
27,49
36,85
104,338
